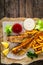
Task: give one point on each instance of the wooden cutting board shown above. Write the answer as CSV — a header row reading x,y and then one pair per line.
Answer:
x,y
23,61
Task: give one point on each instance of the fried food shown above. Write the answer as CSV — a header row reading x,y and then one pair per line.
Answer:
x,y
20,38
25,43
38,44
38,52
32,32
41,37
28,39
17,39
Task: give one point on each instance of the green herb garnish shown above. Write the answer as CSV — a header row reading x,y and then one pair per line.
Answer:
x,y
31,55
39,25
8,29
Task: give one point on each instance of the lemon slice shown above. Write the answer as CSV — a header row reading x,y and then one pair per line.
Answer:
x,y
5,52
5,44
29,24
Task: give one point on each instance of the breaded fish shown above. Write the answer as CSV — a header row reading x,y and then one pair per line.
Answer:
x,y
19,38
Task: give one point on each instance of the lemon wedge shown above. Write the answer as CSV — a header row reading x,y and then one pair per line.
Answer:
x,y
5,52
5,44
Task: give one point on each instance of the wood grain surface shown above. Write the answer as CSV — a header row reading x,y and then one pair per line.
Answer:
x,y
23,61
21,8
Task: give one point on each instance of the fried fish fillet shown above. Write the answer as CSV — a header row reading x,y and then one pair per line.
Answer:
x,y
19,38
23,44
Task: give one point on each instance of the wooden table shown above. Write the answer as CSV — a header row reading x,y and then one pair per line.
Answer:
x,y
23,61
21,8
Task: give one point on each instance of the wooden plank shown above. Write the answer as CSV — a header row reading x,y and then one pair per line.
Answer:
x,y
1,9
35,8
11,7
29,12
40,3
40,13
22,8
38,8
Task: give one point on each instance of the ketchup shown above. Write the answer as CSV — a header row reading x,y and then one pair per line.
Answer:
x,y
17,28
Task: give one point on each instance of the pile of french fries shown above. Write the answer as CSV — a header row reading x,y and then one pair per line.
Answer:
x,y
38,43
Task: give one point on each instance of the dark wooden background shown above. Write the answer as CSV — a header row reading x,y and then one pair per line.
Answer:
x,y
21,8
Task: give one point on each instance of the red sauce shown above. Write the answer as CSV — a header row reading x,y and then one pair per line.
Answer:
x,y
17,28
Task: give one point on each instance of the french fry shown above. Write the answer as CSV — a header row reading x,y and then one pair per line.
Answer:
x,y
38,40
42,49
41,44
38,52
37,46
41,37
31,32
